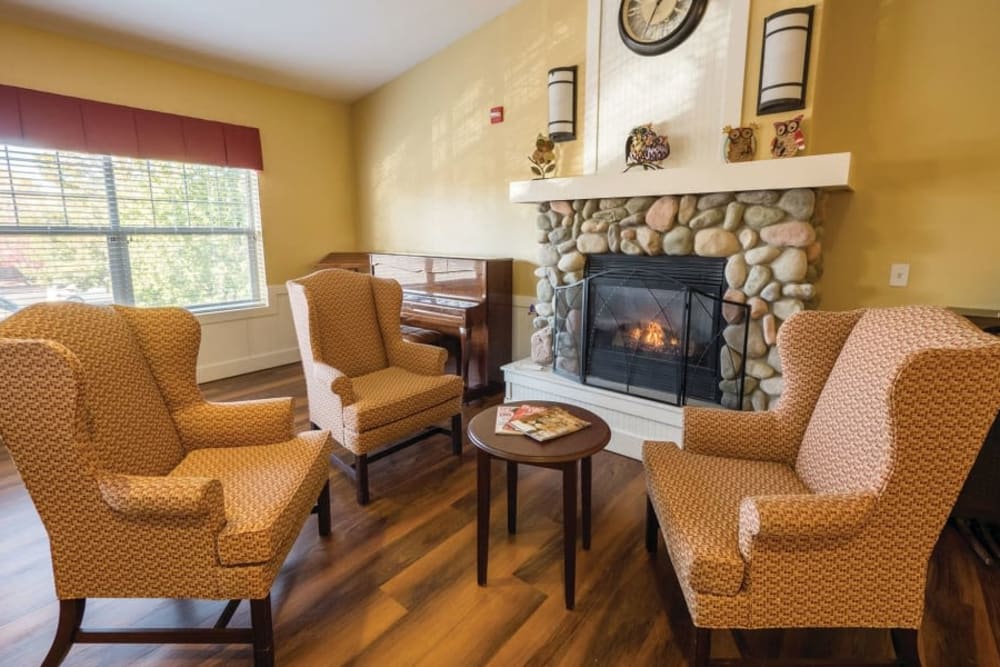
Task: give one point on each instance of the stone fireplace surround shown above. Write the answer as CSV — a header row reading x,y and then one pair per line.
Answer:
x,y
771,240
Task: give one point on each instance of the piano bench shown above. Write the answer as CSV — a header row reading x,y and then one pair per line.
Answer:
x,y
418,335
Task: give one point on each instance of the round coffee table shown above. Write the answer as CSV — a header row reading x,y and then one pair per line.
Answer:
x,y
560,453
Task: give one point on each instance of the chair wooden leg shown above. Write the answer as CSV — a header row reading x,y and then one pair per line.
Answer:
x,y
904,640
263,632
702,653
652,527
456,434
323,515
70,618
361,468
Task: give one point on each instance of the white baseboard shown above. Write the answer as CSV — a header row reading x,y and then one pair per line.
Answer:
x,y
243,365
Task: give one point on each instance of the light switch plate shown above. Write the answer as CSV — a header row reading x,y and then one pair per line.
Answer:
x,y
899,275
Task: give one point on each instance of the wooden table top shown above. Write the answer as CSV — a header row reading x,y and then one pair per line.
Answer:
x,y
522,449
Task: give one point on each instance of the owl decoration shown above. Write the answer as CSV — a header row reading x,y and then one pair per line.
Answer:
x,y
645,148
543,159
788,137
740,143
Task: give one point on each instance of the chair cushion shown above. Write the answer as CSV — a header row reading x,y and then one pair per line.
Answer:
x,y
697,499
393,393
268,492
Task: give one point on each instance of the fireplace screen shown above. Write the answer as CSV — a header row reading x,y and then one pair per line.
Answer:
x,y
648,328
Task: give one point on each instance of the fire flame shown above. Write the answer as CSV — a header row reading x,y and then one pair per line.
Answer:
x,y
651,337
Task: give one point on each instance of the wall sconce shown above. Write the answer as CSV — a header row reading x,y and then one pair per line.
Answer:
x,y
562,103
784,61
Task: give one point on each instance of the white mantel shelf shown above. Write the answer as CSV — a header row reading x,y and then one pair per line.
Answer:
x,y
831,171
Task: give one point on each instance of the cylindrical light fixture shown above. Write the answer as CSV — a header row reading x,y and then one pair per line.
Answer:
x,y
784,60
562,103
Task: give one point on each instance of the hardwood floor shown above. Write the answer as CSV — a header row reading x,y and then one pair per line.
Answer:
x,y
395,584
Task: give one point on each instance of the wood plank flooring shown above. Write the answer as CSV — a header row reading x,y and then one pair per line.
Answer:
x,y
395,584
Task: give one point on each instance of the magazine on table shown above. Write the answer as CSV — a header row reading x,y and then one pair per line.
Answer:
x,y
551,422
505,413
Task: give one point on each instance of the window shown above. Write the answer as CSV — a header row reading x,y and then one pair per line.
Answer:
x,y
102,229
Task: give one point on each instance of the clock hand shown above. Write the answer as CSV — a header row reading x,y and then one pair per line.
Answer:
x,y
651,15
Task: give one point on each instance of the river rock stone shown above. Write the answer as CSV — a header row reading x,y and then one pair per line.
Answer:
x,y
756,347
813,252
730,311
772,292
541,236
540,323
552,274
628,233
774,358
762,255
567,246
729,362
733,386
758,307
785,308
574,295
554,218
611,214
543,223
543,207
773,386
572,277
713,200
662,215
612,202
649,240
578,204
790,266
678,241
759,276
636,204
748,238
547,255
758,217
769,328
543,290
734,216
762,197
732,402
592,244
715,242
736,271
570,220
633,220
544,309
759,400
814,273
573,321
588,226
572,261
589,208
569,365
613,237
707,218
559,234
687,208
563,207
799,203
759,369
803,291
630,247
577,224
541,346
539,272
795,234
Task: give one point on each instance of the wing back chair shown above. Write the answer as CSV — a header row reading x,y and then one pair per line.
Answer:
x,y
823,511
145,489
366,385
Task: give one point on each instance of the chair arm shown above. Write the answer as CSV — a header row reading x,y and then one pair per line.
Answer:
x,y
801,522
163,498
338,382
418,358
737,435
235,424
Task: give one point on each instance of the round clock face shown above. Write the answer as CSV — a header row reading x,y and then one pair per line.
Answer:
x,y
652,27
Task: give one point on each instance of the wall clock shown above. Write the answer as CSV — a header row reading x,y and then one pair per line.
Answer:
x,y
652,27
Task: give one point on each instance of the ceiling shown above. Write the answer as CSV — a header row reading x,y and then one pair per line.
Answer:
x,y
342,49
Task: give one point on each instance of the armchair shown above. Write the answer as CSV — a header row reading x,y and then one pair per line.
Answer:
x,y
824,511
145,489
365,384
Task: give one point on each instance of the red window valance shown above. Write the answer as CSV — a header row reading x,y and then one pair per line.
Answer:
x,y
33,118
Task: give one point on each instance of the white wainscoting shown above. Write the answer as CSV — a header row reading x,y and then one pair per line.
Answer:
x,y
632,419
244,341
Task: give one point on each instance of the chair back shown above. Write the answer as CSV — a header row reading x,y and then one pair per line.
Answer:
x,y
337,321
129,427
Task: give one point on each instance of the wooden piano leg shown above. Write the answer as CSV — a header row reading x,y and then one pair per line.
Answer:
x,y
464,349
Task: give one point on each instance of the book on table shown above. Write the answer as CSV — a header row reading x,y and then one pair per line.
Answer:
x,y
548,423
505,413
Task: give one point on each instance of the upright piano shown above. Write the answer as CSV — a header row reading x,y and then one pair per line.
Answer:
x,y
466,298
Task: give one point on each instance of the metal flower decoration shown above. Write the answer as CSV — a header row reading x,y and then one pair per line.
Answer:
x,y
543,159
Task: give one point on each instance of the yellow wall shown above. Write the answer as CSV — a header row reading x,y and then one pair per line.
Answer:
x,y
433,172
911,88
307,186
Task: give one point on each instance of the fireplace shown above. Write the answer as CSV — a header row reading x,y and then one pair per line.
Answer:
x,y
649,327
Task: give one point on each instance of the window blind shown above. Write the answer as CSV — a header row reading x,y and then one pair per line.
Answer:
x,y
102,229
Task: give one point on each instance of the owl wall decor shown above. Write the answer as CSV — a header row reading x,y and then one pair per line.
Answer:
x,y
740,143
645,148
788,137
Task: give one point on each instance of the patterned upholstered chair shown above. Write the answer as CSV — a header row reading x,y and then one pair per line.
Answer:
x,y
823,512
145,489
366,385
